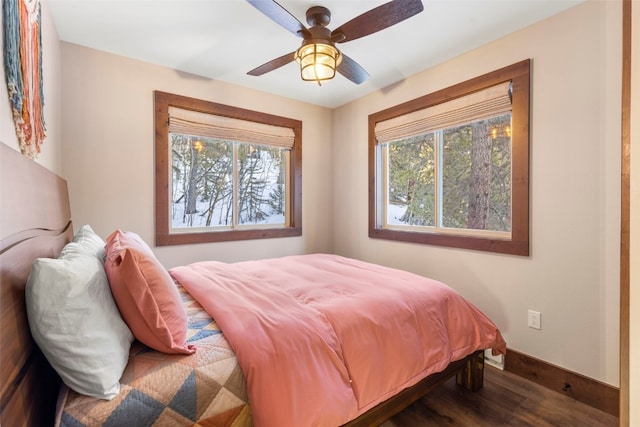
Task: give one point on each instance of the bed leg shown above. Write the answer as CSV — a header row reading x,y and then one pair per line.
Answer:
x,y
472,375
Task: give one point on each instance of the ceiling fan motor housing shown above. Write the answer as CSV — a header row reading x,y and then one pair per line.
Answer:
x,y
318,15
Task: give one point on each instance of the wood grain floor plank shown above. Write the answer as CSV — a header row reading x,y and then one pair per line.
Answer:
x,y
505,400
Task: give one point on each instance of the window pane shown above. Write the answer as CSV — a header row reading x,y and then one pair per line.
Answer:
x,y
199,179
411,183
476,175
201,182
262,184
477,184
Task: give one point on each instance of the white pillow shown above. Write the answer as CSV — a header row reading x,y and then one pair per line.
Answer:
x,y
74,319
90,242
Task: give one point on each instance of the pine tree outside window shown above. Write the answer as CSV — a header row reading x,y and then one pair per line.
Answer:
x,y
451,168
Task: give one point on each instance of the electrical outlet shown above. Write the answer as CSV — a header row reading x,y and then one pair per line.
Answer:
x,y
534,319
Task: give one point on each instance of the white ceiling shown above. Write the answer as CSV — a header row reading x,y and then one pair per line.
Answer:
x,y
224,39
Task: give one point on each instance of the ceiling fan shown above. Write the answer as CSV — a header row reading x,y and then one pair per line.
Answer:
x,y
318,57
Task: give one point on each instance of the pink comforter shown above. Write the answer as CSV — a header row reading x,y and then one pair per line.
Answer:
x,y
322,338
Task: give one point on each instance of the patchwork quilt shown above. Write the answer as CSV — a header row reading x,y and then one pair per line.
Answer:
x,y
158,389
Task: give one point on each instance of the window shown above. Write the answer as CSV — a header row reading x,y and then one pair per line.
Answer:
x,y
452,168
224,173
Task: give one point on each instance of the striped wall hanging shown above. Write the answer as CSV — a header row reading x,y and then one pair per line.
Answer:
x,y
23,71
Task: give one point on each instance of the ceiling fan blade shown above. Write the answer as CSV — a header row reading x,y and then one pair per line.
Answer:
x,y
280,16
352,70
273,64
376,19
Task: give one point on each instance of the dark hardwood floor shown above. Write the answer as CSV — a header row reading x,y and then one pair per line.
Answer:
x,y
505,400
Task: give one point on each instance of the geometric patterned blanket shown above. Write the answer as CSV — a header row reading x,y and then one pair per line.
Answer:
x,y
206,388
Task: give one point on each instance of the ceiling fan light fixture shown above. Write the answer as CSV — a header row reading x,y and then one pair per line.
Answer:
x,y
318,61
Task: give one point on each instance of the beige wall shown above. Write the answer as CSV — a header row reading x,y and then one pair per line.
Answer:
x,y
108,152
51,155
572,274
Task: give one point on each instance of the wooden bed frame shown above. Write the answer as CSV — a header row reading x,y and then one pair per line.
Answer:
x,y
35,221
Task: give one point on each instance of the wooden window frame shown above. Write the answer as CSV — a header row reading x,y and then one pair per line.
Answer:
x,y
162,101
519,74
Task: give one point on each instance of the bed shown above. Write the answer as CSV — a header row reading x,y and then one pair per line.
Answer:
x,y
203,376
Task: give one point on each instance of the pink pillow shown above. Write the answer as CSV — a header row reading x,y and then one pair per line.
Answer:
x,y
145,294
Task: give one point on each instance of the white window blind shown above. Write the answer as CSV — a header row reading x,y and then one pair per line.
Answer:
x,y
191,122
485,103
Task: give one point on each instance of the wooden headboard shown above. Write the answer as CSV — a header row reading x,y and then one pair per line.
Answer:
x,y
35,221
